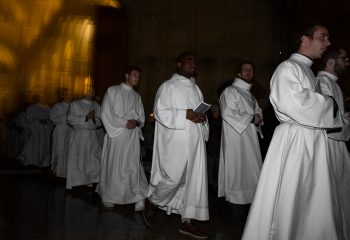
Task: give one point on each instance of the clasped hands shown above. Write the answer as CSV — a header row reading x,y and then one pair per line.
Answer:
x,y
132,123
195,117
91,115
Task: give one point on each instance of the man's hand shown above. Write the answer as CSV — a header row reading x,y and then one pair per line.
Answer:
x,y
132,123
257,120
91,115
195,117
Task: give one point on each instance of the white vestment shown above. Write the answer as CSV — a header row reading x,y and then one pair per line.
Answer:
x,y
338,152
122,178
60,138
84,151
240,156
178,181
36,150
293,200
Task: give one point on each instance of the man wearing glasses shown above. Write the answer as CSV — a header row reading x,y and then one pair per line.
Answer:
x,y
334,64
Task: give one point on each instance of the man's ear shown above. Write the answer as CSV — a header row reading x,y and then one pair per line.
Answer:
x,y
239,75
330,62
178,64
126,76
305,40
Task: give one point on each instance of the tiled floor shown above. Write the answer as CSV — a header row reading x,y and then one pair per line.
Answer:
x,y
33,205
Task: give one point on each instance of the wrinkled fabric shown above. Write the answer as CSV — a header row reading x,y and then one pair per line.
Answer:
x,y
37,143
60,138
293,199
240,156
338,152
122,178
84,151
178,181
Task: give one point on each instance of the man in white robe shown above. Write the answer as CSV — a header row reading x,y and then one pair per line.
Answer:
x,y
84,151
240,156
60,136
334,63
122,178
36,150
293,199
178,181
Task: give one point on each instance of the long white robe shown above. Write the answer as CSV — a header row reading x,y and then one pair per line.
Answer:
x,y
178,181
84,151
36,150
60,138
293,199
122,178
337,148
240,156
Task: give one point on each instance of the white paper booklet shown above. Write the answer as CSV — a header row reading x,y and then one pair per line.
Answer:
x,y
202,107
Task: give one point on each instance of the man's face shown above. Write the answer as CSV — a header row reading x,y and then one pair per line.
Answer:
x,y
133,78
341,63
65,96
187,66
318,43
247,72
90,93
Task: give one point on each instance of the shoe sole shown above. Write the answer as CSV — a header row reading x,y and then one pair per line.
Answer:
x,y
191,235
145,219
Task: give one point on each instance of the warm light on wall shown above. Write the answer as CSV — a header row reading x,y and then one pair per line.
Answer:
x,y
45,46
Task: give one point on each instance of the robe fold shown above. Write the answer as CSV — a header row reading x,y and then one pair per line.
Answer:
x,y
122,178
178,181
37,146
240,156
60,138
84,151
338,152
294,199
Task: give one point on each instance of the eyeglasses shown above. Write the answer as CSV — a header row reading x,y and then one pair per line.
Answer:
x,y
346,59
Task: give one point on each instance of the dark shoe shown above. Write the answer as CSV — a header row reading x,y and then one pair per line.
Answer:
x,y
190,229
149,213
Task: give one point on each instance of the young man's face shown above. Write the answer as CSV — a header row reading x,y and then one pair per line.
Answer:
x,y
187,66
133,78
247,72
318,43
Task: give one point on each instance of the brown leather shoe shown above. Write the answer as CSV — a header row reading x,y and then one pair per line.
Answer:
x,y
149,213
190,229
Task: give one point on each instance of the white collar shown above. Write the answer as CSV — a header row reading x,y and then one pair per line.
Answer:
x,y
241,83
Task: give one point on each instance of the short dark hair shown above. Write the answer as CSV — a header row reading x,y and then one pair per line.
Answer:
x,y
245,62
130,68
331,52
307,31
180,57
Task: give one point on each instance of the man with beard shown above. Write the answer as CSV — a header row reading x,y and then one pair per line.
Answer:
x,y
334,63
294,198
240,156
178,182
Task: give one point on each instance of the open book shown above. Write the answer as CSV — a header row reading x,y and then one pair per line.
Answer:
x,y
202,107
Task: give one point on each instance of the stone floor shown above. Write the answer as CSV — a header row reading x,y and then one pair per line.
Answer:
x,y
35,205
